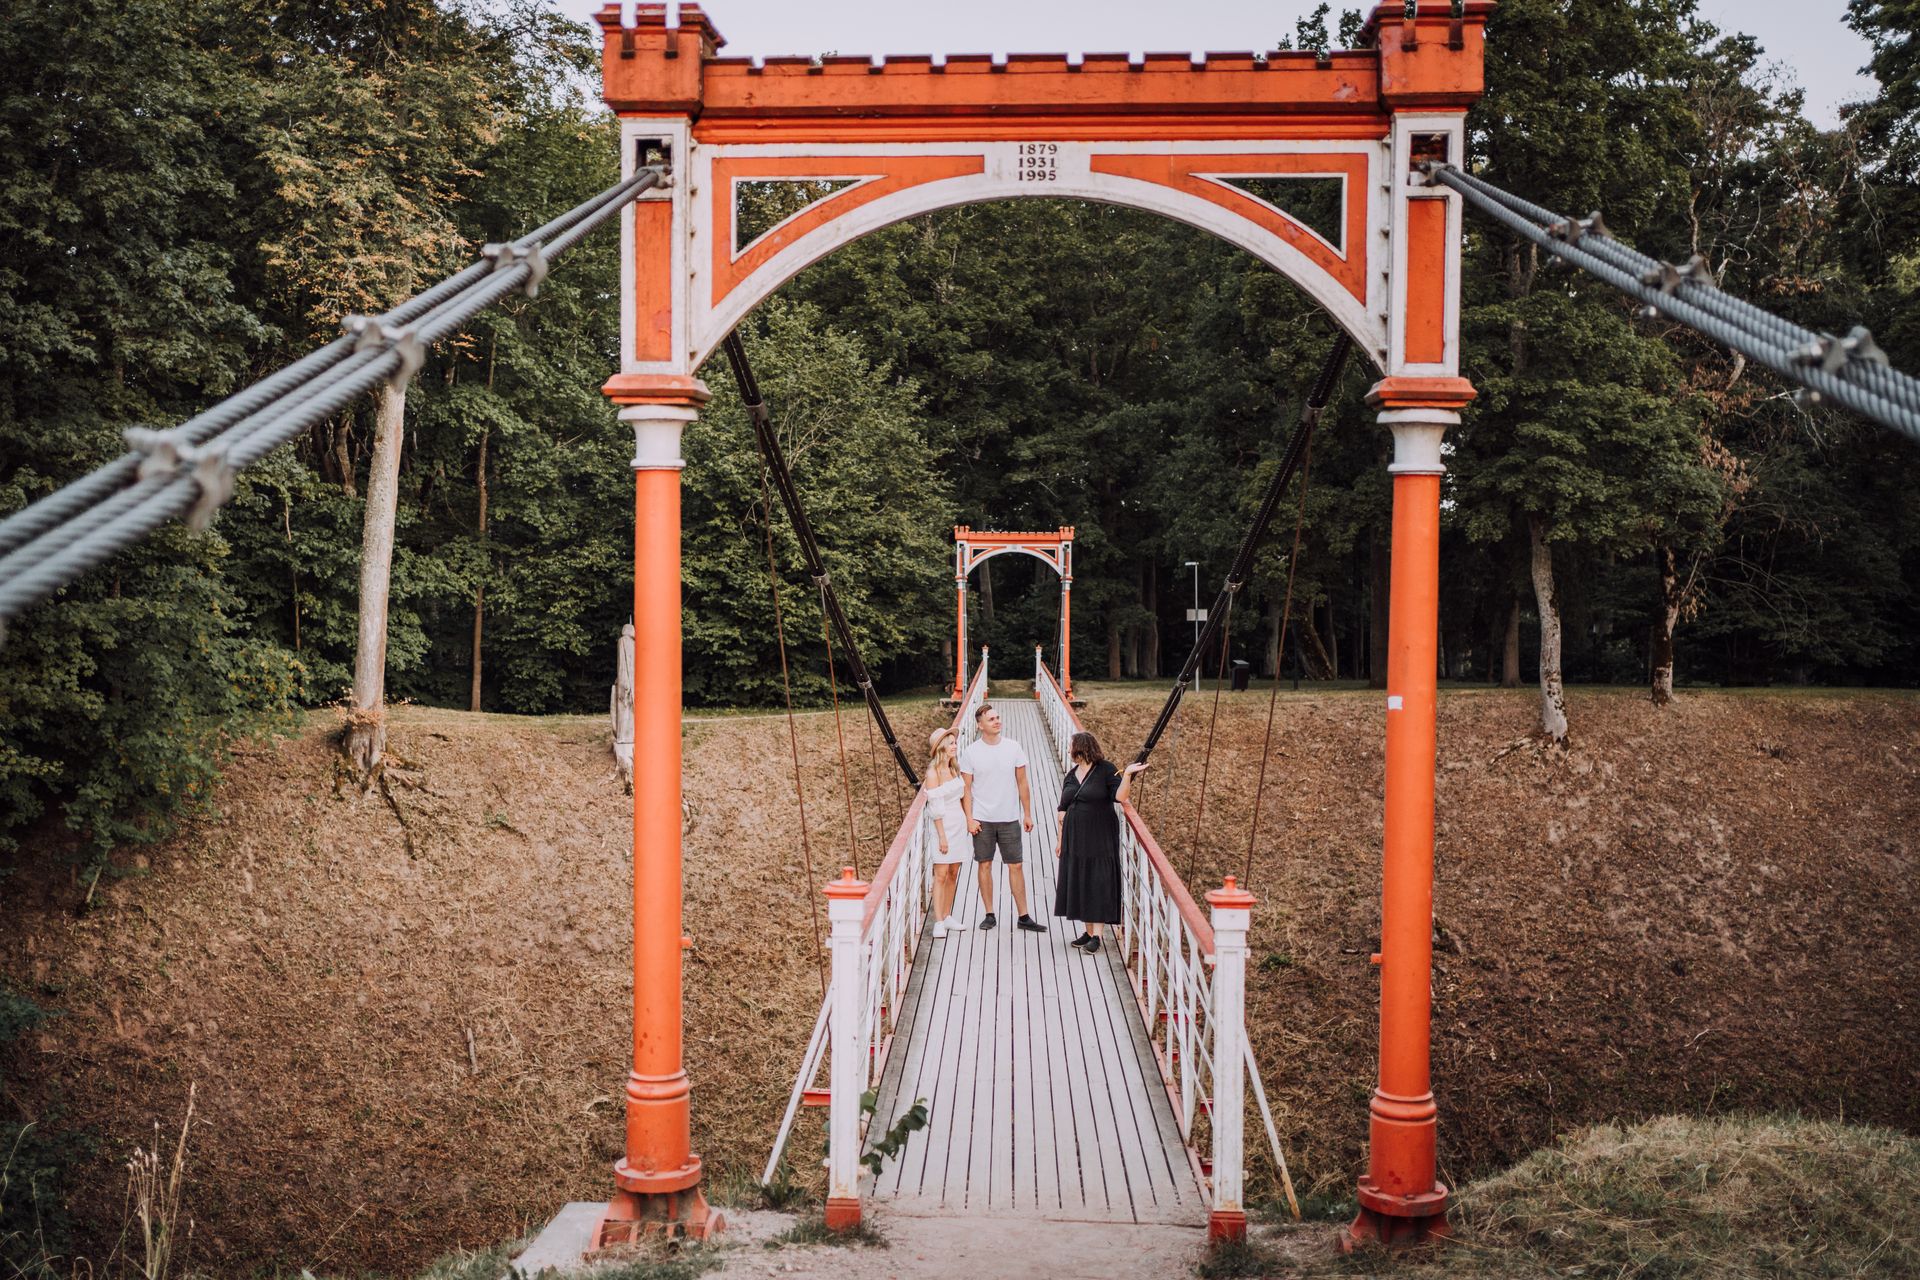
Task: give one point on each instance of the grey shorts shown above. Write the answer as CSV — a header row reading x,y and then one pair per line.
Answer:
x,y
1002,835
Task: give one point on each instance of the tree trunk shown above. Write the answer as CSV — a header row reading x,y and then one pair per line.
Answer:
x,y
1333,641
1271,668
1152,603
366,739
1381,572
1510,655
343,453
1319,666
286,519
480,589
1553,697
1113,644
986,601
1663,630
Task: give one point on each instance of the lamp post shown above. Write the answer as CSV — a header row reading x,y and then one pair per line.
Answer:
x,y
1193,616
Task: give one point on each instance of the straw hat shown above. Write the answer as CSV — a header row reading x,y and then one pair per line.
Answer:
x,y
933,739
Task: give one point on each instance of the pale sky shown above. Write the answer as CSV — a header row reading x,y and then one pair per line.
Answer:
x,y
1806,37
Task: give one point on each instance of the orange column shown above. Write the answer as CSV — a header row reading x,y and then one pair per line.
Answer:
x,y
1066,638
960,611
1401,1200
658,1178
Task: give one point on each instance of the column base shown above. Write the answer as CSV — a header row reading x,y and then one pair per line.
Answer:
x,y
633,1217
1397,1221
843,1213
1226,1226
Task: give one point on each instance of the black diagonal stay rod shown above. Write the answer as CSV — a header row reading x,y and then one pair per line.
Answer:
x,y
1243,561
776,460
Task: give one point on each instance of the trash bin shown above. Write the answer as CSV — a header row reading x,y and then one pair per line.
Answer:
x,y
1242,672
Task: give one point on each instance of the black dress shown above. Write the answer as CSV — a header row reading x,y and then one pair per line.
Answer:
x,y
1089,888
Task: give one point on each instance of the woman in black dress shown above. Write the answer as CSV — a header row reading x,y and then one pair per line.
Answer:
x,y
1087,840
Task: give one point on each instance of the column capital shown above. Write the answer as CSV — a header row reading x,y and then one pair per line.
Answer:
x,y
626,389
660,407
1449,394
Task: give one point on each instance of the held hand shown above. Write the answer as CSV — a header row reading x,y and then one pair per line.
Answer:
x,y
973,828
1134,768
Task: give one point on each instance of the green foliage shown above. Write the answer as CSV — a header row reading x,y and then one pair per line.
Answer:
x,y
232,179
889,1145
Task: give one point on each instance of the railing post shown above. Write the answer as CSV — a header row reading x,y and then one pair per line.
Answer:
x,y
1232,907
847,1069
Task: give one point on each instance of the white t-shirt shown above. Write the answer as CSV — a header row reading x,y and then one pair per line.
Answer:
x,y
996,793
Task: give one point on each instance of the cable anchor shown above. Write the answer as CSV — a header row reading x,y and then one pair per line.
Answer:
x,y
167,454
1668,277
505,257
1574,230
1834,354
370,335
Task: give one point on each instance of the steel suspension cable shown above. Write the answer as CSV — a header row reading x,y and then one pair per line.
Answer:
x,y
846,776
769,442
811,890
191,468
55,508
1213,721
1317,398
1851,371
1279,660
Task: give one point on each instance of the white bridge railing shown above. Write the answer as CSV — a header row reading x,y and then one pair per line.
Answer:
x,y
875,930
1189,976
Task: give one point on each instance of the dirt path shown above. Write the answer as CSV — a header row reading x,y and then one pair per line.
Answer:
x,y
1000,1248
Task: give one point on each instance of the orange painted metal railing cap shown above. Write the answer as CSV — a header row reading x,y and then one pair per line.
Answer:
x,y
1230,896
848,885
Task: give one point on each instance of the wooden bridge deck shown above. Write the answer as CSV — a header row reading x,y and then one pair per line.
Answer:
x,y
1043,1096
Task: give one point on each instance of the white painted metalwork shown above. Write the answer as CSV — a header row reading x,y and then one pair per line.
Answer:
x,y
873,976
1171,953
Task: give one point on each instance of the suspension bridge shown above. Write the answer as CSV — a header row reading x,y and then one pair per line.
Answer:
x,y
1113,1088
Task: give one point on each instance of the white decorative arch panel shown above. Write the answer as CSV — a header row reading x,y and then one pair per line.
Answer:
x,y
1178,180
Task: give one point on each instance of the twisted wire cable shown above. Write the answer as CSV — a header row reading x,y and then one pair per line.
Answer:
x,y
1850,371
49,543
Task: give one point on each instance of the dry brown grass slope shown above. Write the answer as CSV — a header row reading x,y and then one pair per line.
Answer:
x,y
1696,910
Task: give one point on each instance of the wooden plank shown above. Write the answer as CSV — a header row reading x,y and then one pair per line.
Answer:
x,y
1062,1137
1151,1094
973,1098
1082,1175
944,1079
1096,1093
1023,1197
1006,1121
1139,1139
931,1027
986,1117
1099,1133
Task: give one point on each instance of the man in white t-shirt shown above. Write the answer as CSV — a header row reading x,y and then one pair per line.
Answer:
x,y
999,810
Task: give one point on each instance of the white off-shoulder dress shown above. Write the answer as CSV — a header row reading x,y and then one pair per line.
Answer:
x,y
943,806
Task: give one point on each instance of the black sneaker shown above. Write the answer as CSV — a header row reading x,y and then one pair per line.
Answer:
x,y
1080,941
1093,945
987,921
1031,925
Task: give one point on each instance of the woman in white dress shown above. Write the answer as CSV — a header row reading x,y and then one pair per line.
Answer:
x,y
943,785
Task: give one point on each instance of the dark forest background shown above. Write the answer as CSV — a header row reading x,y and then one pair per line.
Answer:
x,y
194,193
